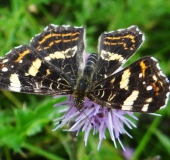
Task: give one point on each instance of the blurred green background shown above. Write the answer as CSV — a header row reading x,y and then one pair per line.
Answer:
x,y
26,121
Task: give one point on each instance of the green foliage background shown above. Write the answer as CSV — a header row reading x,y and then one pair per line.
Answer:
x,y
26,121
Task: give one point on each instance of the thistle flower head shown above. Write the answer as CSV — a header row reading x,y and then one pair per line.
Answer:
x,y
95,118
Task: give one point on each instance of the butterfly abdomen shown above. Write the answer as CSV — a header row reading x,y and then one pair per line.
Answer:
x,y
90,66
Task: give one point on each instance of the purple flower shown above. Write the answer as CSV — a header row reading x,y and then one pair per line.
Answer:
x,y
96,118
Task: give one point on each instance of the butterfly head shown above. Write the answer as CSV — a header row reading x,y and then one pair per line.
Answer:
x,y
78,102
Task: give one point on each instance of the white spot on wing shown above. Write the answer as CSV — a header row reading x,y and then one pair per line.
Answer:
x,y
16,89
125,79
145,107
127,105
4,69
111,56
5,60
48,58
140,75
154,78
21,61
33,70
14,83
62,54
149,88
149,100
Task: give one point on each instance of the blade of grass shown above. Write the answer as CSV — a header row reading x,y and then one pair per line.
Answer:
x,y
12,98
165,141
146,138
40,151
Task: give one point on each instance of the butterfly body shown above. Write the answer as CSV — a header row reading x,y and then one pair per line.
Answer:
x,y
84,83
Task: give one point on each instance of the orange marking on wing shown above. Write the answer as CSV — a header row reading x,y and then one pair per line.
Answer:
x,y
113,44
58,35
58,41
118,38
143,67
22,55
48,72
2,66
112,81
156,88
73,39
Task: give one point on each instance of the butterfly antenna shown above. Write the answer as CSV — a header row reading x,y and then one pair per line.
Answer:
x,y
82,111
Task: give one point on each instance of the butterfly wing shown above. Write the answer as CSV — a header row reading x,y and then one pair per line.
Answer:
x,y
140,87
62,47
42,67
115,48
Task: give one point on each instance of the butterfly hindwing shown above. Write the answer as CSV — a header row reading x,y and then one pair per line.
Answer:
x,y
141,87
22,71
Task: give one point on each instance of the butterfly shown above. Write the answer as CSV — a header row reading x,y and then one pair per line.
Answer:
x,y
54,64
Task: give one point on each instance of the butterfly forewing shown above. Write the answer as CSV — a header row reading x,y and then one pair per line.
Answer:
x,y
62,47
115,48
141,87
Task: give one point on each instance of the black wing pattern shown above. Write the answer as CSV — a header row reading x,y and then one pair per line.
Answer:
x,y
48,66
53,64
115,48
141,87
